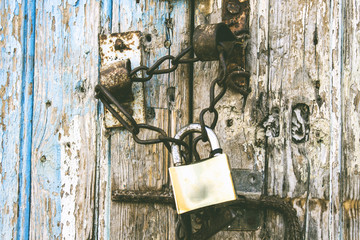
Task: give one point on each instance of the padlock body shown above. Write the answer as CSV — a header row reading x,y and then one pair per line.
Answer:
x,y
202,184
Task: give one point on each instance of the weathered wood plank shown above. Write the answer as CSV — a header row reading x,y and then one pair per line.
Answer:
x,y
14,74
27,100
238,129
350,121
335,108
64,137
103,168
139,167
301,72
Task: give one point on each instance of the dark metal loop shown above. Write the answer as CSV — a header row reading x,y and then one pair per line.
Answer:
x,y
116,115
204,135
176,60
149,141
214,100
153,69
174,140
222,62
133,73
130,124
194,150
188,60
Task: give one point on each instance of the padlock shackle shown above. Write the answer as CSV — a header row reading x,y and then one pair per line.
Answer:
x,y
191,128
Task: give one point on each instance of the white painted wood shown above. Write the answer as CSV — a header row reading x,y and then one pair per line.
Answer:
x,y
139,167
65,120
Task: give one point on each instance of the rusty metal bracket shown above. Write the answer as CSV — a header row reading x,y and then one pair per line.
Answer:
x,y
248,184
235,14
118,51
207,38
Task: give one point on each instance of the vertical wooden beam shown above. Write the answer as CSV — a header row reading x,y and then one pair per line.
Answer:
x,y
139,167
27,102
65,117
239,131
14,125
103,169
335,105
303,72
351,119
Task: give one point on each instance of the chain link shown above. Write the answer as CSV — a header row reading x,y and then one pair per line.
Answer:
x,y
125,117
220,81
153,70
129,122
183,226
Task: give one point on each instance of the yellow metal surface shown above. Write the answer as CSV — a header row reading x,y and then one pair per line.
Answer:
x,y
202,184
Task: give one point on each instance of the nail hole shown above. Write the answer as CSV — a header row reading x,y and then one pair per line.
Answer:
x,y
252,179
148,37
43,158
48,103
229,122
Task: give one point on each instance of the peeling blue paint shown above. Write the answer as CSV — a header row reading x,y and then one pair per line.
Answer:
x,y
16,10
27,101
10,120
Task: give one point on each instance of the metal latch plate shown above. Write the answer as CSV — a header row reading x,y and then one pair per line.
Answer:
x,y
118,47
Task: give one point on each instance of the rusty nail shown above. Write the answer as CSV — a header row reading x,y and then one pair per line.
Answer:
x,y
43,158
233,7
167,44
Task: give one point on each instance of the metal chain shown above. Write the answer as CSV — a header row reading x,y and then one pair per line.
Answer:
x,y
125,117
220,81
153,70
129,122
183,227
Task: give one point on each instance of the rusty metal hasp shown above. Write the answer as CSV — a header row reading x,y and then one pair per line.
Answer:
x,y
118,51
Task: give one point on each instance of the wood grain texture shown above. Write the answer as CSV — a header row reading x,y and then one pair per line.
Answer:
x,y
15,94
238,139
350,121
301,35
139,167
56,150
64,136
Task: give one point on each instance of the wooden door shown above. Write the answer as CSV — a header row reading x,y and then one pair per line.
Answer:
x,y
299,128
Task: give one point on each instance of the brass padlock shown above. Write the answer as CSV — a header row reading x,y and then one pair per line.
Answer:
x,y
203,183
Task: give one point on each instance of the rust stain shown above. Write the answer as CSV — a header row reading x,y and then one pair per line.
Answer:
x,y
15,212
235,14
356,101
30,89
53,24
350,205
205,7
66,15
334,101
65,126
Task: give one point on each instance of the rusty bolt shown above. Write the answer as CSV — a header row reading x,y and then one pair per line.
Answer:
x,y
43,158
233,7
167,44
119,45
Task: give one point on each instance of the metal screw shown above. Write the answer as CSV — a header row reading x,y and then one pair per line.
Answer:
x,y
167,44
43,158
233,7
